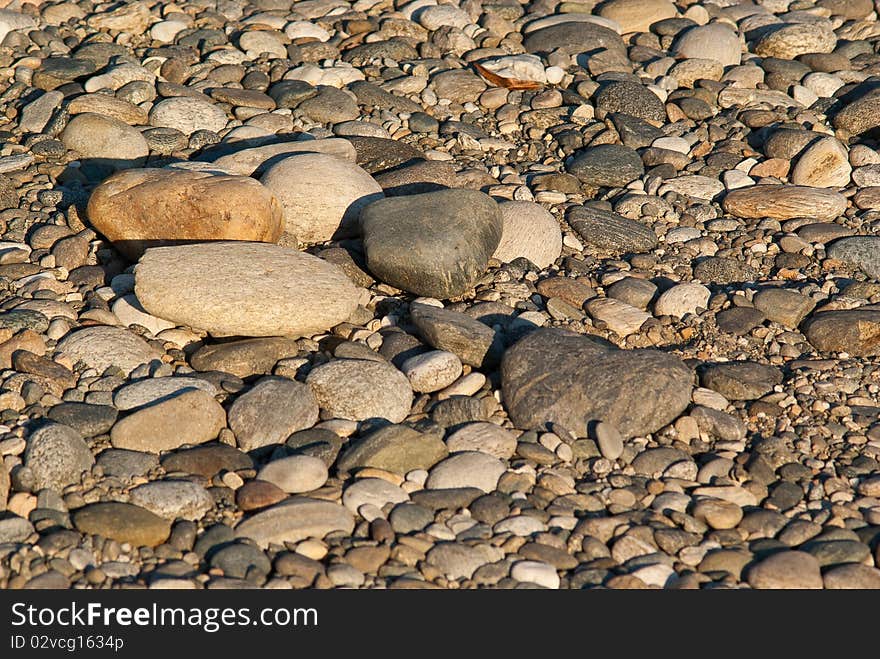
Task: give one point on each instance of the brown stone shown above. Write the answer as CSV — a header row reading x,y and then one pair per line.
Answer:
x,y
573,291
142,208
257,494
24,340
784,202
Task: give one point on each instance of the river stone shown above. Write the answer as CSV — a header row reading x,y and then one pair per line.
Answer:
x,y
190,417
473,342
860,115
824,164
395,448
860,251
715,41
573,37
295,474
784,202
558,377
141,208
484,437
786,570
741,380
611,232
854,331
528,231
789,41
432,371
105,139
173,499
637,15
152,390
321,195
682,299
361,389
123,522
88,420
271,412
277,292
607,165
467,469
457,560
294,520
783,306
127,465
254,161
101,347
630,98
436,244
245,357
207,460
187,115
57,455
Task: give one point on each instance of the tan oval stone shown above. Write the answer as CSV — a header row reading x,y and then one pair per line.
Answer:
x,y
141,208
824,164
637,15
265,290
784,202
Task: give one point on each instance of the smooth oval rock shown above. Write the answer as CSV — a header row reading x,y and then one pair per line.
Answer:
x,y
322,196
295,474
191,417
714,41
277,291
101,347
435,244
295,520
360,389
57,455
530,232
187,115
123,522
141,208
109,140
784,202
854,331
272,411
173,499
467,469
825,164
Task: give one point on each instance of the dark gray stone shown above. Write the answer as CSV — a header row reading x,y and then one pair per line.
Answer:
x,y
611,232
553,376
469,339
88,420
630,98
741,380
607,165
436,244
860,251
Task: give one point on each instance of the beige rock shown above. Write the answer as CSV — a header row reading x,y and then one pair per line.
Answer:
x,y
271,291
110,140
321,195
192,417
784,202
637,15
824,164
620,317
141,208
255,160
109,106
528,231
715,41
797,39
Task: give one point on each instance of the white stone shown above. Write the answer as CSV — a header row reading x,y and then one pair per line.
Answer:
x,y
296,519
187,115
715,41
470,469
173,499
372,491
100,347
677,144
277,291
305,29
295,474
253,160
822,84
165,31
825,164
537,572
621,318
517,67
130,312
433,18
681,300
321,196
484,437
528,231
150,390
432,371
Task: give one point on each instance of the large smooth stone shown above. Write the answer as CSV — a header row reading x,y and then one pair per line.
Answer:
x,y
559,377
436,244
322,196
294,520
142,208
244,289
